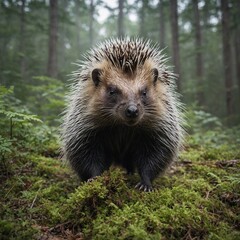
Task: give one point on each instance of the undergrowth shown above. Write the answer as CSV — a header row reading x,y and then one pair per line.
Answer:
x,y
199,198
41,198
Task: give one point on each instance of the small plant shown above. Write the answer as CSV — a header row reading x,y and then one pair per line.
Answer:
x,y
19,131
199,120
9,111
6,149
14,117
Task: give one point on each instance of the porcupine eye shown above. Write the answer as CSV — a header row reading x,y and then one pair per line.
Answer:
x,y
112,94
144,92
144,95
112,90
155,75
96,76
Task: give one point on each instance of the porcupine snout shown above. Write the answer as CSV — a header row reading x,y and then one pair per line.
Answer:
x,y
132,111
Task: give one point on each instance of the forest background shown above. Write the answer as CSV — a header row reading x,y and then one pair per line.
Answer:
x,y
201,39
40,41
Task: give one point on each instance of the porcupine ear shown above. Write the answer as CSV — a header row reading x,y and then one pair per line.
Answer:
x,y
155,75
96,76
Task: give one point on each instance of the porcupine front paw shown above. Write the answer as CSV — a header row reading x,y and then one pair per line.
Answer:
x,y
92,179
144,187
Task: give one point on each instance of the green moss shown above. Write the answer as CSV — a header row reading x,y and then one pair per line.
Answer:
x,y
47,166
198,199
12,229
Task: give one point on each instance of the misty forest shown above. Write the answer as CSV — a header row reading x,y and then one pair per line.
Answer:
x,y
41,197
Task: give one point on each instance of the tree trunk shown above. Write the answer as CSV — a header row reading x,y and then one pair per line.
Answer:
x,y
237,56
91,23
78,24
175,41
162,24
142,16
22,39
227,59
206,14
53,39
198,47
236,7
120,18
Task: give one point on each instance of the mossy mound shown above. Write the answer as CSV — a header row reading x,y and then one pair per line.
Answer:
x,y
199,198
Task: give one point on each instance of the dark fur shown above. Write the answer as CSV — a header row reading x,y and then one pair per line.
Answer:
x,y
133,148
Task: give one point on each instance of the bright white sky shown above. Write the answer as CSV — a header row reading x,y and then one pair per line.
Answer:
x,y
104,13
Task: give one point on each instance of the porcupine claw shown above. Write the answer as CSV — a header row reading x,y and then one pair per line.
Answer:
x,y
91,179
144,187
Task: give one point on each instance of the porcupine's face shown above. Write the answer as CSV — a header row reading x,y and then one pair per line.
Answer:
x,y
124,97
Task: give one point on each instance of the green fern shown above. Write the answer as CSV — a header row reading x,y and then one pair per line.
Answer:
x,y
20,116
10,111
5,146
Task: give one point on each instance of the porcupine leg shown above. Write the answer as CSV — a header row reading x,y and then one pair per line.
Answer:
x,y
129,166
89,165
149,167
147,177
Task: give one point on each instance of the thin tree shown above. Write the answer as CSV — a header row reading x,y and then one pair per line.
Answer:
x,y
120,18
175,39
162,24
198,47
53,39
206,14
236,8
78,23
142,15
22,39
227,58
91,23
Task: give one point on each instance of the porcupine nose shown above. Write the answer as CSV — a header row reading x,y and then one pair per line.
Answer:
x,y
131,111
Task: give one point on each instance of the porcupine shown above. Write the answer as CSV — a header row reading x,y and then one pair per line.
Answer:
x,y
123,109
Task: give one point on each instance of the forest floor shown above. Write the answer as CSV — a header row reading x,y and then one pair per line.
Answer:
x,y
198,198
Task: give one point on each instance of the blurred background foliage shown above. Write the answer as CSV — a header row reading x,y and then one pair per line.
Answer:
x,y
40,40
